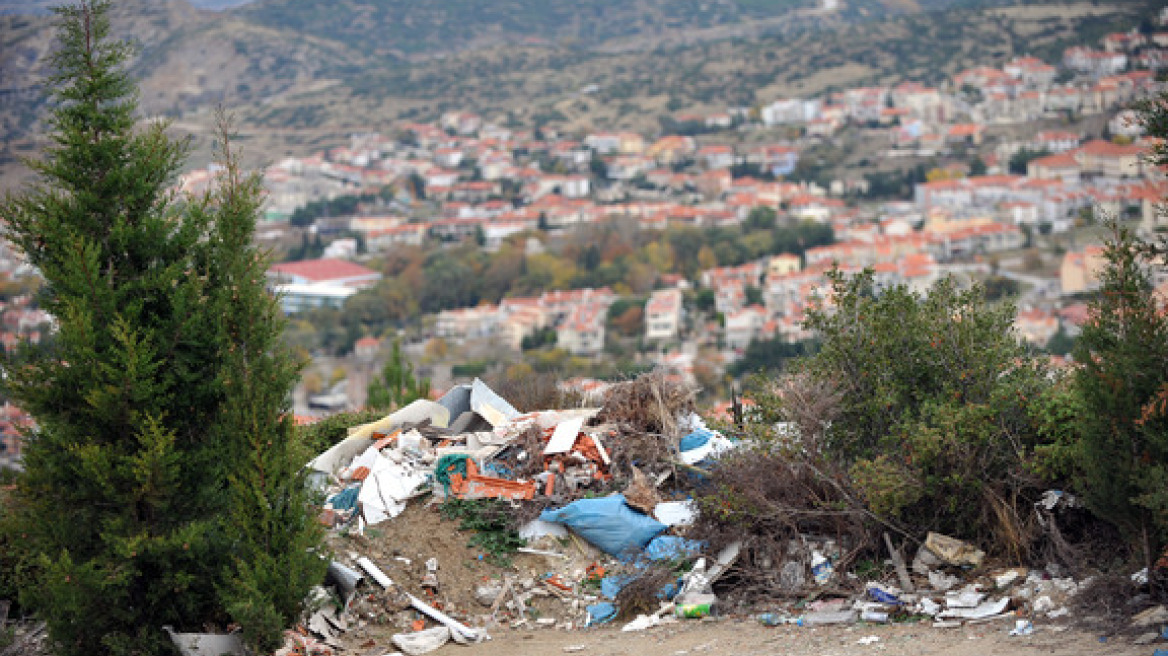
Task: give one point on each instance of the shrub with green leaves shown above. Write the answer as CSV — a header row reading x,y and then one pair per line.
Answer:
x,y
492,523
935,417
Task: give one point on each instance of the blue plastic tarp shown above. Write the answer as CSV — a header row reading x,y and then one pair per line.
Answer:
x,y
671,547
609,524
600,613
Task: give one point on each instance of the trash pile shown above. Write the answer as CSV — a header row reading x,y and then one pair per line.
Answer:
x,y
589,481
603,499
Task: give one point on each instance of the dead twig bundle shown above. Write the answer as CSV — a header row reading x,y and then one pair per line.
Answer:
x,y
779,506
643,594
641,493
651,403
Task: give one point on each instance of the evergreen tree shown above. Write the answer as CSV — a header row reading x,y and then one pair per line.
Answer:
x,y
397,386
161,483
1123,449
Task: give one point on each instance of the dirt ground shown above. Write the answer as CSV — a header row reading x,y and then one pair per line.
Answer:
x,y
401,547
746,637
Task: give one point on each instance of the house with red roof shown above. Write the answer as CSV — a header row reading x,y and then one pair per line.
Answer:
x,y
1080,270
1036,326
1060,166
317,283
1111,160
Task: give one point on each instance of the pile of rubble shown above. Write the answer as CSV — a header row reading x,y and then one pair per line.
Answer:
x,y
563,468
606,539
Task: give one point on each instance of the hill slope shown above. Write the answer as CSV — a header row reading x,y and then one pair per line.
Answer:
x,y
296,71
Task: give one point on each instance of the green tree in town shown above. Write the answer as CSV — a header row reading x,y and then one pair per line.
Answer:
x,y
396,386
1123,449
162,482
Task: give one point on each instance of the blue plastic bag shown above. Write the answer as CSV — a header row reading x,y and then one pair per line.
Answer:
x,y
600,613
609,524
671,547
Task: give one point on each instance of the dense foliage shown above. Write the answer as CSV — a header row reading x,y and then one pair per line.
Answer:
x,y
162,482
930,387
1122,453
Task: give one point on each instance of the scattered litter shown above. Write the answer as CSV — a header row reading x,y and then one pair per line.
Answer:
x,y
374,572
1007,578
206,644
422,642
608,523
1146,639
676,513
601,612
981,611
830,617
1022,628
601,503
884,594
691,611
942,581
643,622
952,551
821,568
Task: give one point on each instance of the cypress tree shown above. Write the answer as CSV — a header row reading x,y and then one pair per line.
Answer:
x,y
1123,448
396,386
161,484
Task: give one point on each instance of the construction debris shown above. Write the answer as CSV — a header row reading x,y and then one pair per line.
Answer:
x,y
600,511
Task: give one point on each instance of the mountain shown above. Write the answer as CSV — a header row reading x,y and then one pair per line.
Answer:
x,y
299,72
442,26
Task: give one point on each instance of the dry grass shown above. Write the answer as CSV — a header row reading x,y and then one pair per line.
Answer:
x,y
642,595
775,502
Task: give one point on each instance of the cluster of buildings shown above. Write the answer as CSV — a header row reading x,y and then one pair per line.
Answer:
x,y
20,322
464,177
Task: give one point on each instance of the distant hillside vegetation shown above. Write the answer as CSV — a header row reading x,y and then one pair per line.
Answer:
x,y
433,26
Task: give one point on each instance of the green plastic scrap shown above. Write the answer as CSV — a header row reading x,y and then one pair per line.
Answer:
x,y
448,465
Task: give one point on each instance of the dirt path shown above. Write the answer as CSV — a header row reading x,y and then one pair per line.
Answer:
x,y
745,637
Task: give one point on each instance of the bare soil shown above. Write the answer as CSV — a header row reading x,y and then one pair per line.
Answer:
x,y
746,637
743,636
402,545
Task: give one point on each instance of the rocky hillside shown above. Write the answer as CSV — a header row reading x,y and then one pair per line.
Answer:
x,y
296,70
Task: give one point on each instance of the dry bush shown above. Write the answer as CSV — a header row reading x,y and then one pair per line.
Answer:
x,y
1105,601
810,402
643,594
535,391
650,403
641,416
776,503
1013,526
